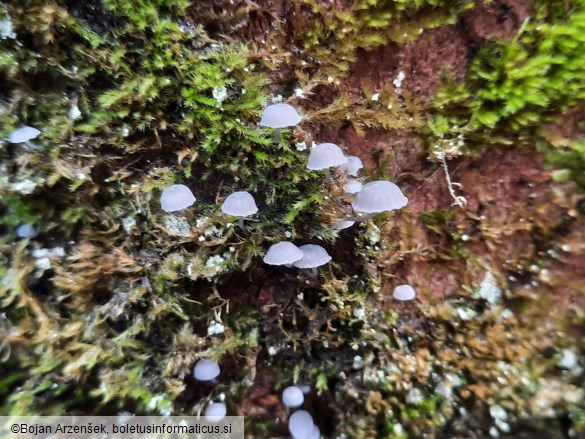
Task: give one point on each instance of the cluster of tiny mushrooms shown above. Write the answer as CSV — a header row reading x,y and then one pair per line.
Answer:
x,y
370,198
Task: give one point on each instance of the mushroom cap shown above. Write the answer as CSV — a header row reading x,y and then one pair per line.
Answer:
x,y
27,231
325,155
206,370
280,116
352,187
379,196
176,197
313,256
292,397
353,165
23,134
340,225
300,425
404,292
316,434
215,412
239,204
282,253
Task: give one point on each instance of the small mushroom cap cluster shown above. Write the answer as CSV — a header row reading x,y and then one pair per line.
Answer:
x,y
324,156
280,116
206,370
352,187
176,197
313,256
301,426
305,256
404,292
352,166
239,204
379,196
293,397
23,134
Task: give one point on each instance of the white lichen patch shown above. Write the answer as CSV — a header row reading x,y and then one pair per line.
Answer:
x,y
399,78
219,94
27,186
177,225
43,256
74,112
215,328
489,290
6,30
359,313
301,146
128,223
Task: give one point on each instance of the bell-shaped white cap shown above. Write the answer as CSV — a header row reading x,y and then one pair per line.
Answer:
x,y
325,155
27,231
176,197
282,253
341,225
23,134
239,204
215,412
352,187
313,256
206,370
300,425
379,196
316,434
404,292
352,166
280,116
293,397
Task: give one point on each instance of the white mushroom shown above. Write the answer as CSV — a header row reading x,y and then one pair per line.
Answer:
x,y
341,225
301,425
279,116
292,397
324,156
352,166
215,412
404,292
352,187
313,256
206,370
240,204
24,134
283,253
176,197
378,196
27,231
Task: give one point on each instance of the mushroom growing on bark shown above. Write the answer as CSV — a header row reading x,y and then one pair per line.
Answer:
x,y
215,412
352,166
404,292
293,397
24,134
313,256
176,197
283,253
279,116
377,196
324,156
206,370
240,204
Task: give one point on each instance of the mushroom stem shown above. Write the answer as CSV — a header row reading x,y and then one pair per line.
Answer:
x,y
327,175
31,146
360,217
313,272
241,223
277,135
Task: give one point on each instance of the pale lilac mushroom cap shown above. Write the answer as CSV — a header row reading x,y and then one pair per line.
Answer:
x,y
176,197
283,253
324,156
23,134
352,187
341,225
27,231
206,370
215,412
301,425
280,116
352,166
379,196
292,397
404,292
313,256
239,204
